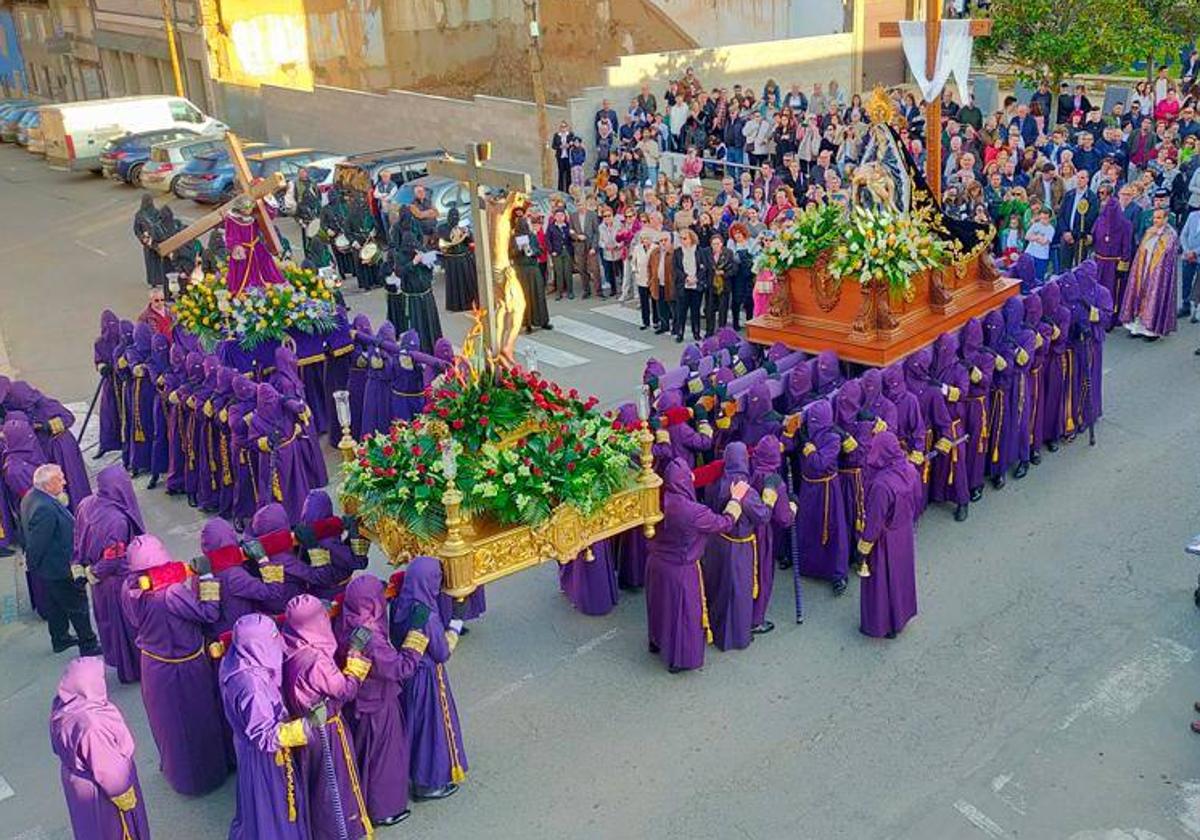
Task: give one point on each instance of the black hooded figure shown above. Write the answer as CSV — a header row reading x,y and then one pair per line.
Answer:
x,y
216,254
145,227
462,284
183,259
335,218
412,306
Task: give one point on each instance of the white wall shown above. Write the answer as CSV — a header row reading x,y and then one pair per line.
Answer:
x,y
714,23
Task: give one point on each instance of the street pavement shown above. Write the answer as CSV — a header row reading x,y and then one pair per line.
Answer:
x,y
1044,691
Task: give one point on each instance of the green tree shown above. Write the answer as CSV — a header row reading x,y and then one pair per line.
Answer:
x,y
1165,26
1057,39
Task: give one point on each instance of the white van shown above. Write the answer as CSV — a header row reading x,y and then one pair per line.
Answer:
x,y
75,132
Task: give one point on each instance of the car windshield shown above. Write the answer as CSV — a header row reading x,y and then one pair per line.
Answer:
x,y
205,163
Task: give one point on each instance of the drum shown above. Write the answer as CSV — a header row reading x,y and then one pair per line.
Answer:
x,y
341,243
312,228
369,254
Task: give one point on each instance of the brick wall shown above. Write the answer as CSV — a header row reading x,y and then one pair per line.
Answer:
x,y
347,121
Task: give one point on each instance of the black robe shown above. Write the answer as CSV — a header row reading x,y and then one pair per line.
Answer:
x,y
413,306
458,260
145,226
533,282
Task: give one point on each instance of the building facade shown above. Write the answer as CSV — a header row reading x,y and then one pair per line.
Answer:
x,y
130,37
12,62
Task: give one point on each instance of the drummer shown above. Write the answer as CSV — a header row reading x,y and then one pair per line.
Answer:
x,y
364,234
335,221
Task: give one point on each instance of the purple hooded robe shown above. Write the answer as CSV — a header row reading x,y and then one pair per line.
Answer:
x,y
174,390
103,350
1003,379
140,399
312,677
438,756
241,591
1021,342
109,516
91,739
1042,334
287,380
356,380
52,422
282,469
270,804
852,457
1112,238
160,366
1094,331
732,558
822,527
1056,375
888,597
949,479
376,715
179,685
980,365
766,460
910,428
677,613
242,447
679,440
827,373
326,582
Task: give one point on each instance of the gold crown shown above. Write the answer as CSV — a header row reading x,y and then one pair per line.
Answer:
x,y
879,107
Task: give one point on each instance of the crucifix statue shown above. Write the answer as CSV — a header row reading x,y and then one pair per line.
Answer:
x,y
503,316
249,228
933,106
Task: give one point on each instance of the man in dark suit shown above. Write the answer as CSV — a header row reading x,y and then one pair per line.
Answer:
x,y
585,245
1076,215
693,272
49,538
561,144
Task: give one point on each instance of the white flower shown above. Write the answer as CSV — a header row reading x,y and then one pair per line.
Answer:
x,y
509,479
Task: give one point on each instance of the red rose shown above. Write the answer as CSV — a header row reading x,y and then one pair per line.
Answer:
x,y
591,402
443,413
491,473
388,451
527,460
573,393
537,471
483,421
579,447
616,424
416,449
379,472
364,463
570,466
429,481
391,472
485,398
594,451
420,468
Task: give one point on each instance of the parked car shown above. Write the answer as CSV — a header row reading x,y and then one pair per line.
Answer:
x,y
31,120
168,160
11,121
75,132
208,166
364,171
320,172
8,106
37,141
219,185
124,157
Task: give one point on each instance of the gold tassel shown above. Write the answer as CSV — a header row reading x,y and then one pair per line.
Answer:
x,y
708,635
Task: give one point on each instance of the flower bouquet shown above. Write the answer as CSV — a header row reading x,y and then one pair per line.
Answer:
x,y
517,446
305,302
801,241
889,246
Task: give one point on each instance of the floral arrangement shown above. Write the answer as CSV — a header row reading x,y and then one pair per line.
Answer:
x,y
892,246
801,241
305,302
517,444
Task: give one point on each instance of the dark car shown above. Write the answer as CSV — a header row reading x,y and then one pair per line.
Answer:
x,y
11,120
217,184
209,166
122,158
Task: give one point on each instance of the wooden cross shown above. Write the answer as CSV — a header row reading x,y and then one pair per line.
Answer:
x,y
472,171
933,110
255,192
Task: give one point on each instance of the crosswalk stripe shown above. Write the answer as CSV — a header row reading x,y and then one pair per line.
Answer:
x,y
621,313
552,356
600,337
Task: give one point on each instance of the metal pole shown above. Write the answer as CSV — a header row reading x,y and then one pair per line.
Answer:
x,y
539,92
169,21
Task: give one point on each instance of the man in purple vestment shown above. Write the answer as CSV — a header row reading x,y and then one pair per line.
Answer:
x,y
438,761
251,263
677,613
1148,306
270,804
105,524
91,739
102,356
773,535
178,683
313,685
590,580
381,740
823,527
888,589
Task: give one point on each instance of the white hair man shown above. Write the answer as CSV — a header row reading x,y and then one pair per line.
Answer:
x,y
49,530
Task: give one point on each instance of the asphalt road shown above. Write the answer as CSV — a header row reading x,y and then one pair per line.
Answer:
x,y
1044,692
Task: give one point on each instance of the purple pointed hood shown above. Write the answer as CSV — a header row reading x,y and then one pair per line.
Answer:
x,y
799,385
872,386
317,506
677,479
916,368
1014,315
690,357
217,534
115,487
20,441
894,384
654,369
971,337
993,329
827,373
422,585
945,353
306,625
818,416
847,402
256,650
767,456
758,402
1033,311
363,606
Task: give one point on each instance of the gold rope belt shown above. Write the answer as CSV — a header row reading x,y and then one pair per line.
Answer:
x,y
456,771
353,773
753,540
859,502
169,661
825,516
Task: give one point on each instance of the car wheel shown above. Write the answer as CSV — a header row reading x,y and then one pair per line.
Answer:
x,y
175,187
135,174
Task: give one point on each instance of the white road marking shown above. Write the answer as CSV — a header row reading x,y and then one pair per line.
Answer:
x,y
1117,834
620,312
551,355
6,791
1189,814
517,684
978,819
592,334
1125,688
91,248
1010,793
999,782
